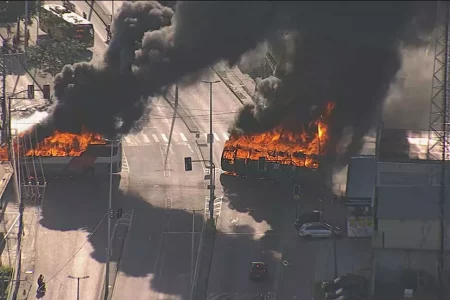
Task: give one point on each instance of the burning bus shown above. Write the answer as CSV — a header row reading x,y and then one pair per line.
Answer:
x,y
279,154
66,153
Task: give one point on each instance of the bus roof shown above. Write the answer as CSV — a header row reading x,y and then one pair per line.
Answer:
x,y
67,15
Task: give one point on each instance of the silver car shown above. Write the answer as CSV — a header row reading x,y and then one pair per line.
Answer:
x,y
318,230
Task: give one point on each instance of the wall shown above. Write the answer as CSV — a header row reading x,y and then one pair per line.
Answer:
x,y
409,234
390,263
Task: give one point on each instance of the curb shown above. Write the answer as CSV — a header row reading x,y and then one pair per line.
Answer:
x,y
100,12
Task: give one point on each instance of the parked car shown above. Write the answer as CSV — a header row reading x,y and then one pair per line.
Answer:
x,y
349,281
318,230
313,216
258,271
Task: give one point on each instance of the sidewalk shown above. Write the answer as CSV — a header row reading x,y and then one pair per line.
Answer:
x,y
27,285
18,79
117,249
9,230
241,85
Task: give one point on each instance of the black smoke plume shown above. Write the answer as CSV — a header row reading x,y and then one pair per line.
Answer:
x,y
346,52
151,48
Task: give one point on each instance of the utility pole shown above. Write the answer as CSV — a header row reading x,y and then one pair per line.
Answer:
x,y
112,11
5,115
439,125
172,127
192,248
108,250
25,34
78,283
211,163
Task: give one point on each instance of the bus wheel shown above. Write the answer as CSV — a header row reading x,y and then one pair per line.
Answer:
x,y
89,172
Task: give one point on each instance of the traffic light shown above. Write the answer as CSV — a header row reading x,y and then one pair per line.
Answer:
x,y
296,190
112,213
31,91
46,91
188,163
261,164
119,213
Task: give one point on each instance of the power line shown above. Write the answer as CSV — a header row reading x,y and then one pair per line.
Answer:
x,y
79,249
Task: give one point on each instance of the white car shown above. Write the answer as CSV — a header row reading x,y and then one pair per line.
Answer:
x,y
318,230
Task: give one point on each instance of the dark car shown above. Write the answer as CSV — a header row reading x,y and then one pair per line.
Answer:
x,y
258,271
313,216
345,282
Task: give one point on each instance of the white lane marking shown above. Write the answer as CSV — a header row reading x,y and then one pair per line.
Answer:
x,y
127,139
125,165
183,137
131,141
155,138
216,137
145,138
190,148
226,136
164,137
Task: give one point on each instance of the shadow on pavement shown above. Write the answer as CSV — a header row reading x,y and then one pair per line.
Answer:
x,y
74,204
261,199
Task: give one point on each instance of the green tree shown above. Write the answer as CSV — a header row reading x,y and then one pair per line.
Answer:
x,y
51,56
11,11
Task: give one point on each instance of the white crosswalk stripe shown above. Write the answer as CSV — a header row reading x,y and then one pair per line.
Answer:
x,y
142,139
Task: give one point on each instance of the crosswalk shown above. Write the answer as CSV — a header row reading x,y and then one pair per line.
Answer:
x,y
142,139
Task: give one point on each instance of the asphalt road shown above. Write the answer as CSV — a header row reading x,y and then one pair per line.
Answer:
x,y
156,261
71,211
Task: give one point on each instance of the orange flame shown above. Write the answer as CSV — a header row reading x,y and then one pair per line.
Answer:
x,y
281,146
59,144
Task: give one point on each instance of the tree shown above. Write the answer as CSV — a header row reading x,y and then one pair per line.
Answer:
x,y
51,56
11,11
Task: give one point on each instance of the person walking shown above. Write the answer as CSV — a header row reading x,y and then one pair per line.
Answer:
x,y
8,29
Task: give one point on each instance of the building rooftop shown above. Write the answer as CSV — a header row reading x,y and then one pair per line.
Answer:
x,y
360,180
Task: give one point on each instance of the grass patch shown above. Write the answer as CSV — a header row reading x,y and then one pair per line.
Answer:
x,y
5,278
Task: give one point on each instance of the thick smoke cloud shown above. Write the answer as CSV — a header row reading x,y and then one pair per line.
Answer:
x,y
152,48
347,52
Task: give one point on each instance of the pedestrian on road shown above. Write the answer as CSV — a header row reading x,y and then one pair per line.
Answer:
x,y
40,280
8,29
84,15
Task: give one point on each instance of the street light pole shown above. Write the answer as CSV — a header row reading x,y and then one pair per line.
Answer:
x,y
108,250
78,284
112,10
212,172
192,248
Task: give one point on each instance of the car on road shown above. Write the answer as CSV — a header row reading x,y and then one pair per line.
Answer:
x,y
318,230
258,271
349,281
308,217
